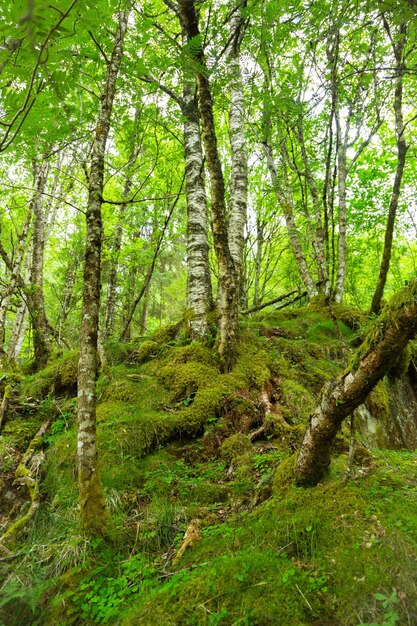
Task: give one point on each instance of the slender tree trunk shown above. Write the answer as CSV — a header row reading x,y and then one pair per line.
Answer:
x,y
110,313
239,171
18,333
228,279
401,152
67,297
319,239
339,397
13,281
258,260
199,292
41,340
145,310
288,210
92,503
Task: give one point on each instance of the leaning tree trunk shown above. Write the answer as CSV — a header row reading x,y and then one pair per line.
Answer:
x,y
377,355
228,278
41,340
92,503
401,152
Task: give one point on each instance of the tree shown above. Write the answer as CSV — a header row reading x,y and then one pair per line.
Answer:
x,y
93,508
338,399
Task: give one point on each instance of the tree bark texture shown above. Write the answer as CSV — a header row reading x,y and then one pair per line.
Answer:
x,y
239,170
339,397
92,504
41,340
228,278
401,152
199,291
14,278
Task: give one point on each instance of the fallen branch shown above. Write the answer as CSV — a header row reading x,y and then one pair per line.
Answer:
x,y
259,307
27,474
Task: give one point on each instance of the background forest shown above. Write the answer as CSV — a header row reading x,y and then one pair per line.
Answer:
x,y
205,209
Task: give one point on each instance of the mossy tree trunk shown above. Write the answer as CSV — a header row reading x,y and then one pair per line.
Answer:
x,y
228,284
377,355
92,503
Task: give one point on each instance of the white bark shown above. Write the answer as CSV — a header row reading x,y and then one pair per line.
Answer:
x,y
199,293
239,172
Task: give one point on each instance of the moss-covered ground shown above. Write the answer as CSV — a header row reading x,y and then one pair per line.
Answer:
x,y
207,526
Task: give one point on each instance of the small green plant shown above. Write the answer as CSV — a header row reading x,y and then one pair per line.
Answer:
x,y
390,617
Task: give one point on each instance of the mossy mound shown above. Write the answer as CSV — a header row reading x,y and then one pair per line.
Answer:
x,y
59,377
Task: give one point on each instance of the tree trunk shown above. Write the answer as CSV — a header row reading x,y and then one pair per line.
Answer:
x,y
13,281
401,151
92,503
199,292
288,210
41,340
239,171
18,333
110,313
339,397
143,324
228,279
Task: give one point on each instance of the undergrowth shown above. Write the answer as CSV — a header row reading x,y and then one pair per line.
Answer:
x,y
177,458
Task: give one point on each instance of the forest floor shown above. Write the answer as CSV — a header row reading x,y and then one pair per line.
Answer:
x,y
206,523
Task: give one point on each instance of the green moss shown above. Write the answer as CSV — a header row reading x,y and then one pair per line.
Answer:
x,y
297,399
20,432
402,364
167,333
378,401
123,390
183,379
146,351
58,377
235,449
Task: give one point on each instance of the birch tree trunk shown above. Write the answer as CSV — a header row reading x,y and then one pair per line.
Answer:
x,y
288,210
398,46
13,281
41,340
228,278
18,333
239,171
92,503
339,397
199,292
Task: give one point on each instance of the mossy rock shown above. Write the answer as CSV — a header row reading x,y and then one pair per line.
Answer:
x,y
167,333
20,432
377,401
235,449
183,379
146,351
124,390
59,377
297,399
402,364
